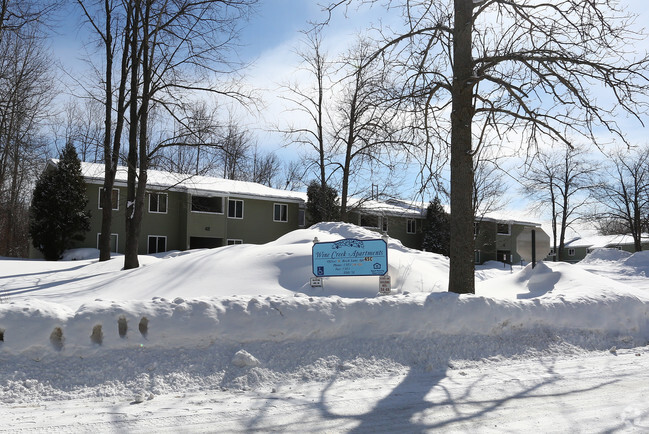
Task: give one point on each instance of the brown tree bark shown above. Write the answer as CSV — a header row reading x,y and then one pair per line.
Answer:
x,y
461,279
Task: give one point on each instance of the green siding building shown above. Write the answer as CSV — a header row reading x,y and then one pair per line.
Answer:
x,y
496,238
188,212
192,212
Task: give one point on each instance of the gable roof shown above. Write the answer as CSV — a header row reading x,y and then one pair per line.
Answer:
x,y
197,185
401,208
390,207
596,241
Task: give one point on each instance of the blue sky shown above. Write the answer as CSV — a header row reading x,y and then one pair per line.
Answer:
x,y
269,38
276,21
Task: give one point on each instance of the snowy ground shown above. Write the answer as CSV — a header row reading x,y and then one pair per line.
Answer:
x,y
235,339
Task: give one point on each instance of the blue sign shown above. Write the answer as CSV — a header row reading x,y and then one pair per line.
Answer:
x,y
350,257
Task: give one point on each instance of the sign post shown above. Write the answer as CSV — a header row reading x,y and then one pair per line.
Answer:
x,y
385,285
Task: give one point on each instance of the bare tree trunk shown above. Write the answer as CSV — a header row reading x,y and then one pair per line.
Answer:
x,y
109,173
132,228
461,271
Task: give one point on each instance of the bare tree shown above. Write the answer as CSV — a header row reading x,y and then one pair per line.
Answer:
x,y
562,180
171,51
112,25
368,133
526,67
488,188
194,146
26,91
624,191
81,123
294,175
236,145
265,167
311,102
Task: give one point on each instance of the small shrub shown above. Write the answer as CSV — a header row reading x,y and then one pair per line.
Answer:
x,y
56,338
122,327
97,336
144,326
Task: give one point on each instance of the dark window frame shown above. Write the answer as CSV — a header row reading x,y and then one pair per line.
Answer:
x,y
235,209
283,216
155,202
157,238
411,226
203,204
115,200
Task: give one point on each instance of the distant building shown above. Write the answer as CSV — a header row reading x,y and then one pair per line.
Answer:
x,y
188,212
578,247
496,238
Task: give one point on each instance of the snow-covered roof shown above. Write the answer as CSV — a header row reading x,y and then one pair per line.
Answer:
x,y
402,208
595,241
193,184
523,217
391,207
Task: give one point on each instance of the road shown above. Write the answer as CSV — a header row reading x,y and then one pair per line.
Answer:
x,y
594,392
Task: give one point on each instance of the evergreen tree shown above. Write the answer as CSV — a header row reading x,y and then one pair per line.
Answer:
x,y
322,203
437,229
57,214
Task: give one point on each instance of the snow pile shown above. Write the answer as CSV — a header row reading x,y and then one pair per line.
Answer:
x,y
282,267
605,255
639,261
198,323
245,316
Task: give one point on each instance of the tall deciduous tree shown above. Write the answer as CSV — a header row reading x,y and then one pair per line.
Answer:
x,y
527,67
624,191
57,216
368,132
112,26
562,180
171,52
311,101
26,91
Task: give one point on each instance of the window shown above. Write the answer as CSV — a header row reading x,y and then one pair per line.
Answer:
x,y
476,229
158,203
280,213
369,221
384,224
234,242
207,204
503,228
235,209
411,226
476,256
571,252
113,242
552,252
114,198
157,244
301,218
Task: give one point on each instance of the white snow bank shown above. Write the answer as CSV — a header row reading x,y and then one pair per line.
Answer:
x,y
606,255
197,323
282,267
245,295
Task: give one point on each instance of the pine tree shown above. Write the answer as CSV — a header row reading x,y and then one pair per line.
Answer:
x,y
57,214
322,203
437,229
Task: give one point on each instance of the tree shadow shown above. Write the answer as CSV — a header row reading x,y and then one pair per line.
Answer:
x,y
424,402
